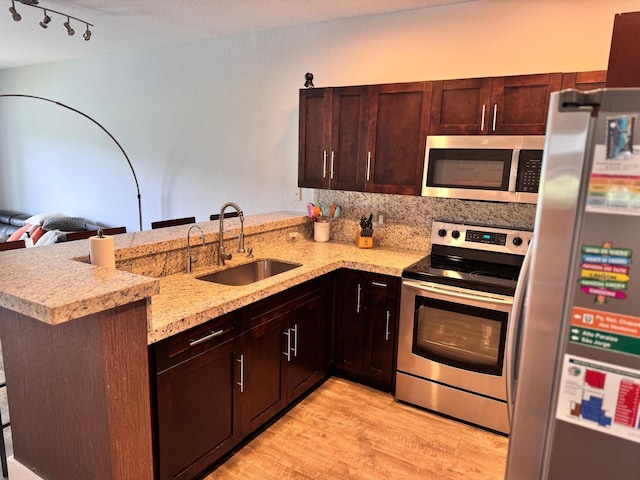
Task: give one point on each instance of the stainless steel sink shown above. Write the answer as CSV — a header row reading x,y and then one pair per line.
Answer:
x,y
249,272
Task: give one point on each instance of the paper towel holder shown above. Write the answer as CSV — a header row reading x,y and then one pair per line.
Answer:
x,y
135,177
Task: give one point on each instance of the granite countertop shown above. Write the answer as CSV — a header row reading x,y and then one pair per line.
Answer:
x,y
184,301
56,284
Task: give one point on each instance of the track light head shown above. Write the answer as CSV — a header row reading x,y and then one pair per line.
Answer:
x,y
14,13
87,34
67,25
45,21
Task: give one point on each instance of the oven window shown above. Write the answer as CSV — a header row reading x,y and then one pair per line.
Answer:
x,y
486,169
462,336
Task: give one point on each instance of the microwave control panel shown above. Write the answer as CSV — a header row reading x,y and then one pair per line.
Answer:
x,y
529,169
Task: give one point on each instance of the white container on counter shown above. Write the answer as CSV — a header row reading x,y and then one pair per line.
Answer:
x,y
321,231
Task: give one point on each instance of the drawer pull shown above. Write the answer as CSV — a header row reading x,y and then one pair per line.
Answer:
x,y
206,337
379,284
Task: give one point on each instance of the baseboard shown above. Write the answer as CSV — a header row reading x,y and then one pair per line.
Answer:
x,y
18,471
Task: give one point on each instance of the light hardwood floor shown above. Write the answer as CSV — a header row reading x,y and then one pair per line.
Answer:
x,y
348,431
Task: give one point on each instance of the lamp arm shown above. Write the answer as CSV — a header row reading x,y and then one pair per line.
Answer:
x,y
135,177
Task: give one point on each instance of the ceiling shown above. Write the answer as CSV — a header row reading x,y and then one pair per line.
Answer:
x,y
127,25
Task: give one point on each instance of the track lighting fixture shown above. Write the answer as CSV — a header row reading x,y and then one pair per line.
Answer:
x,y
67,25
44,23
12,9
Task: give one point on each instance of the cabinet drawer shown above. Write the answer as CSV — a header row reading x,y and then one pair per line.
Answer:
x,y
186,345
381,285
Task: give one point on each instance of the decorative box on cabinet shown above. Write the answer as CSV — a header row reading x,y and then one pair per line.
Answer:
x,y
513,105
365,327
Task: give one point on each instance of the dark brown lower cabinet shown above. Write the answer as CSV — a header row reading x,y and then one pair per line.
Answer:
x,y
217,383
365,327
197,399
285,351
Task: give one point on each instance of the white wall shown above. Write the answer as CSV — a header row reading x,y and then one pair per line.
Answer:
x,y
216,121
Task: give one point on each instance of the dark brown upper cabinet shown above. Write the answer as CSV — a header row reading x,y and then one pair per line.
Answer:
x,y
514,105
584,80
366,138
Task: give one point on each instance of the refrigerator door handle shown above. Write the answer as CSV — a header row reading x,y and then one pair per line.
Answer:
x,y
513,330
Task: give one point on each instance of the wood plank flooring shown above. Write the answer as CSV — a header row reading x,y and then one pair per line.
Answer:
x,y
345,430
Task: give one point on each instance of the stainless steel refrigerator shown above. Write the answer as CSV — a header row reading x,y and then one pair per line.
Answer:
x,y
573,359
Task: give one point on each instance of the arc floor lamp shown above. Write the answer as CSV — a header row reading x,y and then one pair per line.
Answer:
x,y
135,177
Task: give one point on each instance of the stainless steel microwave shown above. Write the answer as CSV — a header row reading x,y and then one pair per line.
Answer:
x,y
498,168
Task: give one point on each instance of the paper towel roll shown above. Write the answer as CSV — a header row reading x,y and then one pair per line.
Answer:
x,y
101,252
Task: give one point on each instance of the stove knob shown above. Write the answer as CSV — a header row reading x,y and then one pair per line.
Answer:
x,y
455,234
517,241
442,232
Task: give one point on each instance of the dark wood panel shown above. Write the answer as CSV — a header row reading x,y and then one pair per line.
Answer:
x,y
624,54
349,112
520,103
457,106
398,125
313,121
197,420
584,80
79,394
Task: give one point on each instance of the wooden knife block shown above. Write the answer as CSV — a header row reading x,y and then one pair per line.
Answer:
x,y
363,242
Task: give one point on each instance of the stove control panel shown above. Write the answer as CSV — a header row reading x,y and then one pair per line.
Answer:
x,y
481,237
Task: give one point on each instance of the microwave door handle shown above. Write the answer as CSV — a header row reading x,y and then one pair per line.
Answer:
x,y
513,332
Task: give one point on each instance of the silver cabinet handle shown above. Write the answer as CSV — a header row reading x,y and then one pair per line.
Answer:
x,y
379,284
206,337
241,382
484,109
333,156
387,333
324,164
288,352
495,115
368,166
359,292
295,340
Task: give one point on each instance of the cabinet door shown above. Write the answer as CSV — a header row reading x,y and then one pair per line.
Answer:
x,y
314,114
347,158
398,125
196,407
519,104
349,321
381,334
263,392
460,107
306,362
584,80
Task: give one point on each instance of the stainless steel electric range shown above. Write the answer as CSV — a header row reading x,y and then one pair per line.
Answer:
x,y
455,308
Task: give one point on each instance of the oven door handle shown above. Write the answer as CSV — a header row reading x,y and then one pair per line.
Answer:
x,y
455,293
513,332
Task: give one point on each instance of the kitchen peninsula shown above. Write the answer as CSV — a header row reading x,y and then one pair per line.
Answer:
x,y
75,337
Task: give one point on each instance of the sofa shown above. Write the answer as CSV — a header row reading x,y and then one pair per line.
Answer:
x,y
41,229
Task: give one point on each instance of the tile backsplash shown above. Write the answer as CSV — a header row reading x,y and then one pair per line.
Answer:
x,y
409,218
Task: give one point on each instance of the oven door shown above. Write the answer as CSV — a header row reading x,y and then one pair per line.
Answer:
x,y
454,336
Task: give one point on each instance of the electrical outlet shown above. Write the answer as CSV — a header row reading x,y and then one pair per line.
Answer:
x,y
382,218
296,194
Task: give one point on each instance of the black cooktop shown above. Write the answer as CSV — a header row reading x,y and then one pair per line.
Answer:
x,y
464,272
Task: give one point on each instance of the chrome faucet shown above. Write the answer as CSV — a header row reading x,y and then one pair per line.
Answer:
x,y
191,260
222,255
